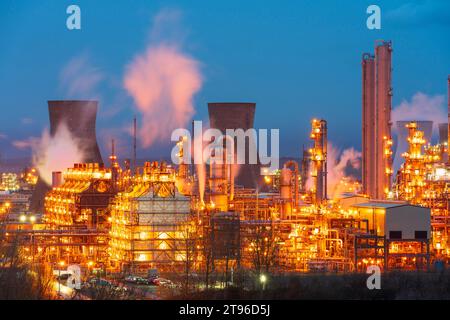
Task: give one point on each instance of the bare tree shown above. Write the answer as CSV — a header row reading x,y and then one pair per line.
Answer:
x,y
263,249
19,280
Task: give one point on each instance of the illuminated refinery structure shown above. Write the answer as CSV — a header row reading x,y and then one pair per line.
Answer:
x,y
132,220
150,223
319,159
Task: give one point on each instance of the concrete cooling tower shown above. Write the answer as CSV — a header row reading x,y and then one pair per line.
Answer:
x,y
443,133
443,137
236,115
80,118
402,136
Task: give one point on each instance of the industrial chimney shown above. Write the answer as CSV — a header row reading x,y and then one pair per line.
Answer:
x,y
383,89
376,128
368,124
80,118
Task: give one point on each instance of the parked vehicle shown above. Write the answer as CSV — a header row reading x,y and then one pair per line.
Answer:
x,y
131,279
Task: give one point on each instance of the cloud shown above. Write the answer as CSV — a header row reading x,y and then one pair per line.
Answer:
x,y
421,107
25,144
26,121
3,136
79,78
162,82
429,12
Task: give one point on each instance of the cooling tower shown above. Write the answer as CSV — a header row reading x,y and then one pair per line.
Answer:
x,y
80,118
402,136
236,115
443,138
443,133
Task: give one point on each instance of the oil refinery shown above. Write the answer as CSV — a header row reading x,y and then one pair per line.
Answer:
x,y
129,220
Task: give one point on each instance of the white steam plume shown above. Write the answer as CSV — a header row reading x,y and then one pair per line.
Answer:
x,y
421,107
162,82
56,153
338,164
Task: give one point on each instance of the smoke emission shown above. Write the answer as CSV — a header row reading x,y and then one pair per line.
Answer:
x,y
345,164
421,107
56,153
162,82
80,79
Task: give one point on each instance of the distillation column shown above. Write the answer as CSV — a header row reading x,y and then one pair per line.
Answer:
x,y
368,124
383,89
319,159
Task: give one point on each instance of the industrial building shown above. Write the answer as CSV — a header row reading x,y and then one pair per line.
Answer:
x,y
150,223
397,234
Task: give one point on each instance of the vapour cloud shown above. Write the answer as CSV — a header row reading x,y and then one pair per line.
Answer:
x,y
79,78
421,107
338,166
162,82
53,153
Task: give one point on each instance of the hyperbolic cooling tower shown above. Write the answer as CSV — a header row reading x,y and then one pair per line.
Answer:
x,y
443,137
80,117
236,115
402,136
443,133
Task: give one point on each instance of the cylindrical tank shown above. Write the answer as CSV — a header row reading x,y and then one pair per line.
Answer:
x,y
286,192
57,179
402,136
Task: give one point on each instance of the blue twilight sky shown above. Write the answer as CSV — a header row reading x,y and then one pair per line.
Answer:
x,y
295,59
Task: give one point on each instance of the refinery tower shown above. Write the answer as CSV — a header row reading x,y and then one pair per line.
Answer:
x,y
376,122
80,117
